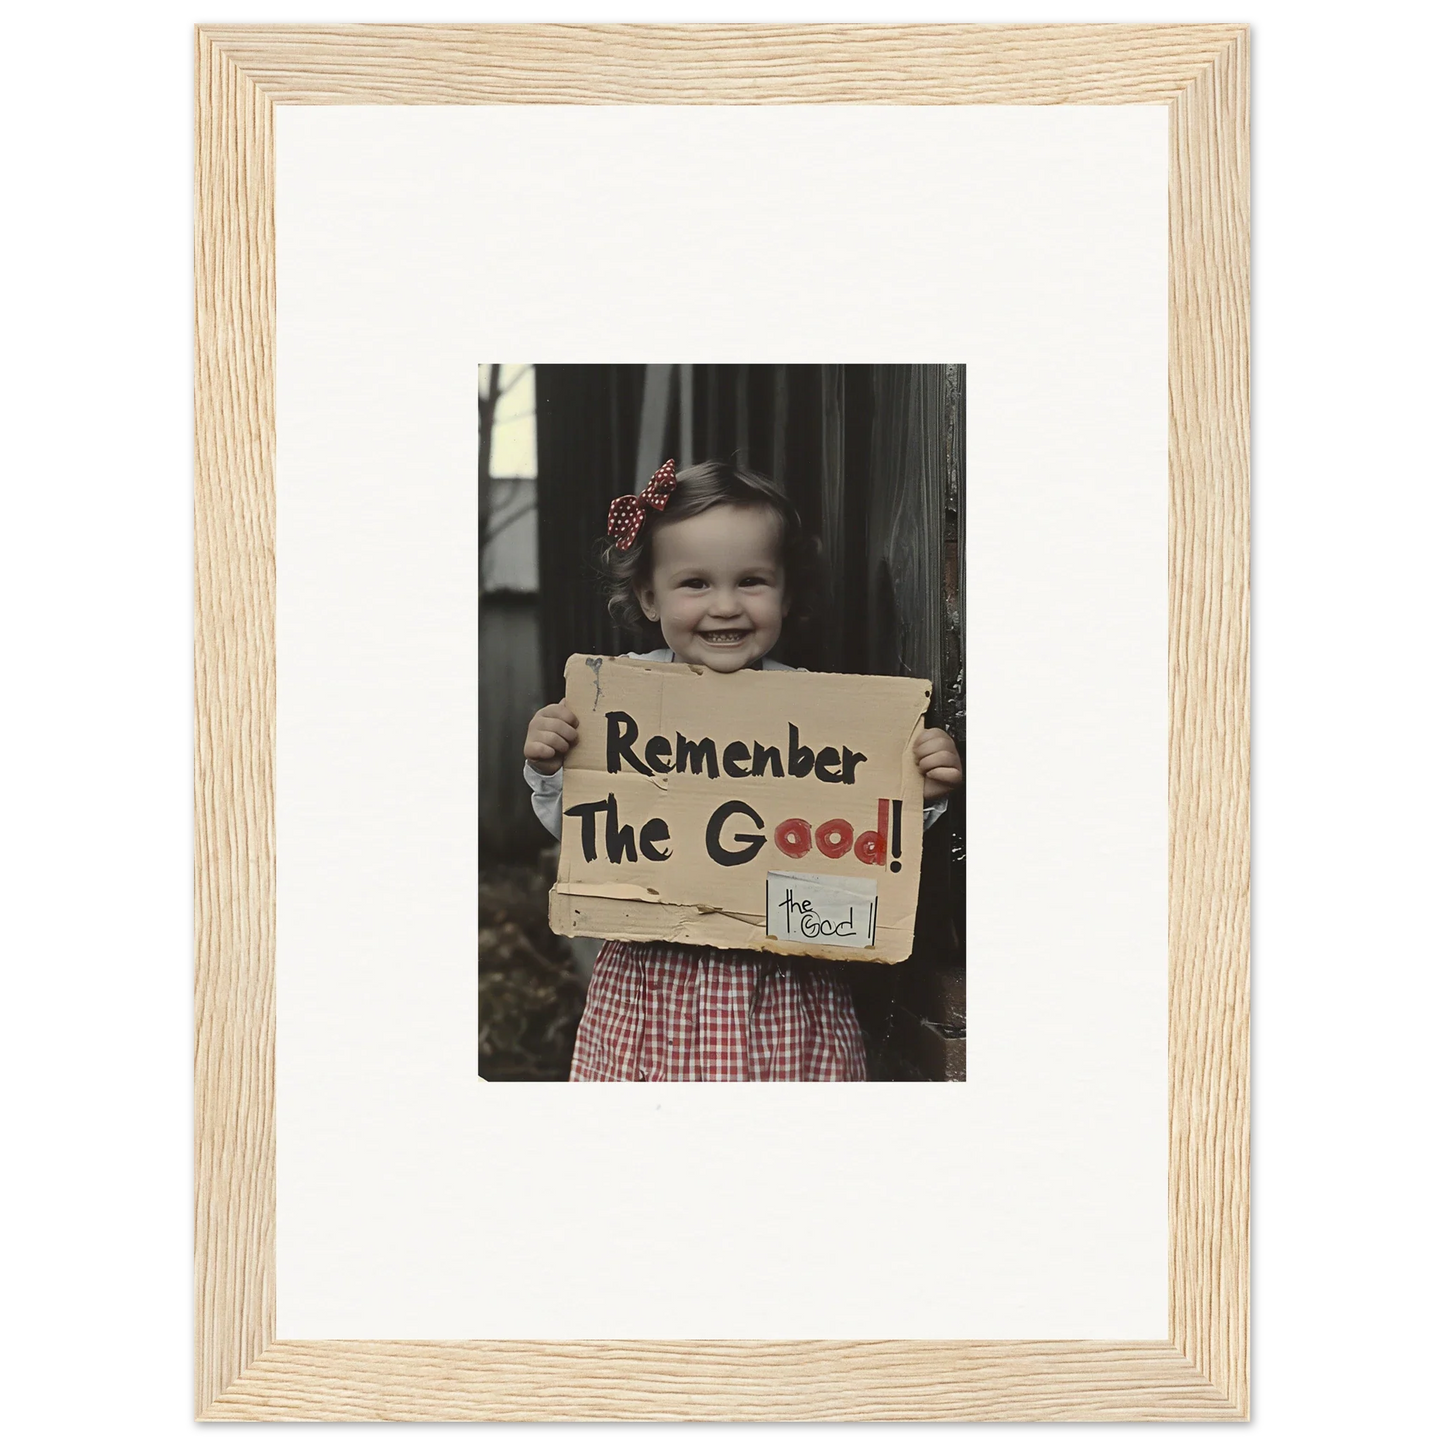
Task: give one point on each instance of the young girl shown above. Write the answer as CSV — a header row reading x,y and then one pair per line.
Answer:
x,y
711,557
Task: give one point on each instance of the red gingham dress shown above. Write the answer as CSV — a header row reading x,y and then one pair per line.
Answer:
x,y
672,1012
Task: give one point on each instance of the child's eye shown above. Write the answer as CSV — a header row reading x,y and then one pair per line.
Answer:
x,y
693,582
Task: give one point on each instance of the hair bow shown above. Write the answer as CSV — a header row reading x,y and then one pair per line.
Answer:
x,y
627,514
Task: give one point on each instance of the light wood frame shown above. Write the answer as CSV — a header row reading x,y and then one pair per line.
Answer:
x,y
1200,72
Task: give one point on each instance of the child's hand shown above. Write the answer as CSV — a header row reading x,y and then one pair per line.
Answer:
x,y
938,761
550,736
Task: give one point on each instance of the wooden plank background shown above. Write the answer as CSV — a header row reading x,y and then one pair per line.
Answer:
x,y
1201,74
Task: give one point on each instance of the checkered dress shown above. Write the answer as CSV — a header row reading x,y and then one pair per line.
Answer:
x,y
671,1012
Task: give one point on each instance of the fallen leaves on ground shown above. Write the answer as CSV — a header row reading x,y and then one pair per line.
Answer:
x,y
529,993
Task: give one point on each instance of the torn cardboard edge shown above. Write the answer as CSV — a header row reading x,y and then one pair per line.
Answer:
x,y
631,894
625,920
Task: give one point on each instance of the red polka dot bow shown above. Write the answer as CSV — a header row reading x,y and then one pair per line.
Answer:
x,y
627,514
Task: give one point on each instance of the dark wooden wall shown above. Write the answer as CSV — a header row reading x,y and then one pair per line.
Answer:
x,y
914,1013
587,420
509,678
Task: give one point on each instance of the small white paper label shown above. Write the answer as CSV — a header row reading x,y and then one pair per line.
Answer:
x,y
804,908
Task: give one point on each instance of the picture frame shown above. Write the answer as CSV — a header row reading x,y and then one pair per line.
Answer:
x,y
1201,1371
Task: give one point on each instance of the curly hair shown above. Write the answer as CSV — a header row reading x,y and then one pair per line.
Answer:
x,y
699,489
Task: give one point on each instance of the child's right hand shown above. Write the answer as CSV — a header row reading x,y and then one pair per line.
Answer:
x,y
550,736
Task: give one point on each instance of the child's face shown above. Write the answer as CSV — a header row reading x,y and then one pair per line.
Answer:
x,y
717,586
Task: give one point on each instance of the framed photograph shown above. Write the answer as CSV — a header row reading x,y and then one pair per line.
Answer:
x,y
859,470
909,360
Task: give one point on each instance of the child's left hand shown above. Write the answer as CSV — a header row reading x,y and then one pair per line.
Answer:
x,y
938,761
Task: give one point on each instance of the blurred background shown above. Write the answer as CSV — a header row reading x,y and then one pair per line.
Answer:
x,y
873,458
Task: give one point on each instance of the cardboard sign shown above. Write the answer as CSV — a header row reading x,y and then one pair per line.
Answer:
x,y
779,811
